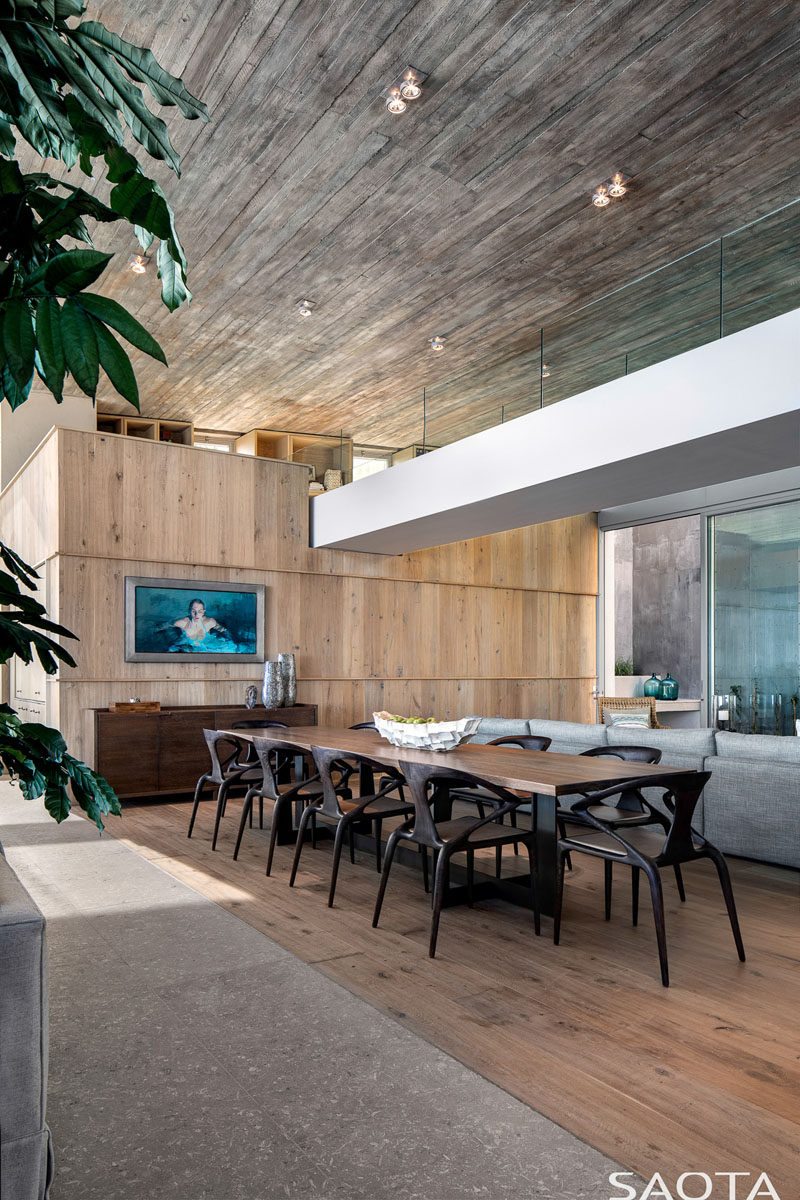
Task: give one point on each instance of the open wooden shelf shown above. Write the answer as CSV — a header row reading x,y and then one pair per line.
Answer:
x,y
149,428
319,451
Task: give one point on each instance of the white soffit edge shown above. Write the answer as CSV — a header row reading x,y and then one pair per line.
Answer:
x,y
724,411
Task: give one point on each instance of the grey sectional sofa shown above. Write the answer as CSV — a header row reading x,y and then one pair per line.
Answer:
x,y
25,1151
751,804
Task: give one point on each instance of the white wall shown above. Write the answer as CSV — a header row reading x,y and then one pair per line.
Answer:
x,y
22,430
723,411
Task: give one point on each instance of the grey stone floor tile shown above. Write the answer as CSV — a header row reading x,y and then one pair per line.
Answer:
x,y
192,1057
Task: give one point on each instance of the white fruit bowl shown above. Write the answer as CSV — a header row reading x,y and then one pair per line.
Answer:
x,y
433,735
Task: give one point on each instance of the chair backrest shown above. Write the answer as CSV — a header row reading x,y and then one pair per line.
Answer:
x,y
364,725
327,760
629,704
216,741
681,793
420,777
265,750
524,741
631,800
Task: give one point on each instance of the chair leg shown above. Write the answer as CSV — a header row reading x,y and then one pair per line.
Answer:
x,y
562,833
498,857
273,832
351,841
247,809
730,904
337,855
439,881
559,904
609,877
391,846
512,820
657,894
313,831
635,896
222,796
198,791
298,848
378,829
679,881
425,881
470,875
260,810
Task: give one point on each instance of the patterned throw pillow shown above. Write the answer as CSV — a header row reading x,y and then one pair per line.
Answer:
x,y
627,717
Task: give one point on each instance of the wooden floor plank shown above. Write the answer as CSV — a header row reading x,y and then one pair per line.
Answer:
x,y
702,1076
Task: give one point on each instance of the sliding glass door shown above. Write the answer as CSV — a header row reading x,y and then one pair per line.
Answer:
x,y
754,608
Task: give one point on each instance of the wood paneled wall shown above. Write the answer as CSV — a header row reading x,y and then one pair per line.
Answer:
x,y
497,625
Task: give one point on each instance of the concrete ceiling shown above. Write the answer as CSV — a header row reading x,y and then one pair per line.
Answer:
x,y
468,215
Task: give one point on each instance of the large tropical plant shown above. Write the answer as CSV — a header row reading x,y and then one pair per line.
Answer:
x,y
34,755
71,88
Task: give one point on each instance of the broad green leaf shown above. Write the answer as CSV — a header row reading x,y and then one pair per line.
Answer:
x,y
74,270
56,801
82,86
7,143
12,181
18,567
34,787
51,739
80,346
148,129
14,394
116,364
113,314
43,116
142,66
51,350
173,282
144,237
18,340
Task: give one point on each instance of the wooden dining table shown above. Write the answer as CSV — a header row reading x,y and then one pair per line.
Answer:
x,y
541,774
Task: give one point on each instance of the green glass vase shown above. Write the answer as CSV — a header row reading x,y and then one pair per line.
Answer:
x,y
668,689
652,686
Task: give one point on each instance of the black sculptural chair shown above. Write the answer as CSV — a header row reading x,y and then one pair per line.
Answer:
x,y
227,771
303,791
446,838
373,806
629,810
482,798
645,848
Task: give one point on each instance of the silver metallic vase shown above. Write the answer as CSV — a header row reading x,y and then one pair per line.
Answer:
x,y
272,688
289,671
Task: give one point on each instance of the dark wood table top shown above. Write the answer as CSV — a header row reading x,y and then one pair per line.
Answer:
x,y
521,770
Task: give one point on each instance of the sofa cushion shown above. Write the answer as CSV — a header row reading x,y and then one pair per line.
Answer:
x,y
692,743
758,747
495,727
753,808
629,717
570,731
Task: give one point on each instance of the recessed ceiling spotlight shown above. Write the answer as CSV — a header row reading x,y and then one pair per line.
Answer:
x,y
138,263
395,103
617,187
304,307
437,343
407,86
410,88
601,197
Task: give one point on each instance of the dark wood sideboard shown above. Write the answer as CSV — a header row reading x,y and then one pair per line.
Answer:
x,y
163,753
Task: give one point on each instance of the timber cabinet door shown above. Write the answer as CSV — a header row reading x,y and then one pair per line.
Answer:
x,y
127,751
182,753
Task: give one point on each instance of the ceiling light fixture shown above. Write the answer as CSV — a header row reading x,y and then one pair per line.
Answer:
x,y
437,343
610,189
138,263
395,103
407,86
304,307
